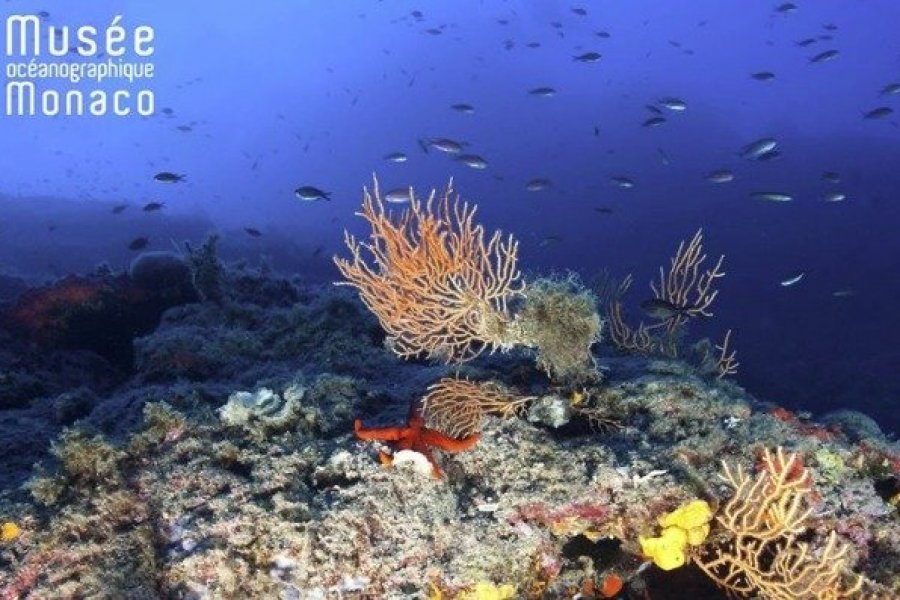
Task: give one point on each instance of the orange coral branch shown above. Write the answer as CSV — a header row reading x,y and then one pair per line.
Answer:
x,y
762,524
456,407
727,363
435,285
684,285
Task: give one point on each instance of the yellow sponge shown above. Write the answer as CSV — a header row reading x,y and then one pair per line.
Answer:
x,y
693,517
9,531
687,525
488,591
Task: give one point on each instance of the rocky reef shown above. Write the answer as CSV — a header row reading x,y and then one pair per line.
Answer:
x,y
224,464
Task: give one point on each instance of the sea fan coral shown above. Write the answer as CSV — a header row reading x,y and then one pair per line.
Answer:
x,y
456,407
434,283
762,524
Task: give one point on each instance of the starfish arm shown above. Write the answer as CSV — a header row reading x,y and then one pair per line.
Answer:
x,y
386,434
414,436
438,440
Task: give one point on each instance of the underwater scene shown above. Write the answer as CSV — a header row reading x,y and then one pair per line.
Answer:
x,y
450,300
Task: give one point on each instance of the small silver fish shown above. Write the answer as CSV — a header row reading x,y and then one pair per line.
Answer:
x,y
763,76
663,309
622,182
653,122
831,177
663,157
154,206
446,145
846,293
167,177
463,108
753,150
824,56
772,196
545,92
400,195
536,185
890,89
549,239
588,57
720,176
674,104
473,161
879,113
396,157
793,279
834,197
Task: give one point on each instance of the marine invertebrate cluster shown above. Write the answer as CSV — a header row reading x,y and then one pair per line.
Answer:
x,y
448,418
416,436
263,409
442,289
559,318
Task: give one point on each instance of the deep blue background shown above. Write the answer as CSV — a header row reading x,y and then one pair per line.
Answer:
x,y
316,93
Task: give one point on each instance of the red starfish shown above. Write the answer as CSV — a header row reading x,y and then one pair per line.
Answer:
x,y
414,436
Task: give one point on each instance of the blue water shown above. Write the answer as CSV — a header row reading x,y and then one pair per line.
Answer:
x,y
272,96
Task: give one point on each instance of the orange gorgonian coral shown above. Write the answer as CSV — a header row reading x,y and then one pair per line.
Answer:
x,y
686,290
762,531
435,285
685,286
456,407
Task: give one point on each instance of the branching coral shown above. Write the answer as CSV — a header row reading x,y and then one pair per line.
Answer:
x,y
435,285
683,292
456,407
685,286
760,551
